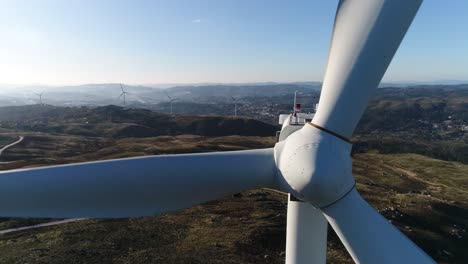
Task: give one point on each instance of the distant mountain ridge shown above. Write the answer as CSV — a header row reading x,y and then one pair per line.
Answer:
x,y
107,94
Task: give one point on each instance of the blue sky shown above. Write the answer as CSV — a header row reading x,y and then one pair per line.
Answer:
x,y
138,42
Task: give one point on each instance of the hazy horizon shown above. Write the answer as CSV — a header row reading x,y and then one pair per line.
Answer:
x,y
168,85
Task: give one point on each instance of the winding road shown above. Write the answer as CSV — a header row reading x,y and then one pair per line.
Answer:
x,y
11,145
6,231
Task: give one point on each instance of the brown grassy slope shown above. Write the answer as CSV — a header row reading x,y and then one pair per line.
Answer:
x,y
7,139
425,198
40,148
47,148
117,122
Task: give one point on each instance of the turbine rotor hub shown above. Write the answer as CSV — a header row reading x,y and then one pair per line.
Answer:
x,y
314,166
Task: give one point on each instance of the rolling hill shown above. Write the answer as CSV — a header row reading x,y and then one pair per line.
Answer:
x,y
426,198
118,122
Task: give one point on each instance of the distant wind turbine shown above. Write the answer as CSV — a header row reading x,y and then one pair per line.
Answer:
x,y
40,97
235,105
170,100
123,94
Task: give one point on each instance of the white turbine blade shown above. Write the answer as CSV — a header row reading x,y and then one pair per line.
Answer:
x,y
121,88
366,35
306,234
368,236
133,187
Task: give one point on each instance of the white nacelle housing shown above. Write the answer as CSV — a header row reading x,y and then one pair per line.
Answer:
x,y
282,118
291,124
302,118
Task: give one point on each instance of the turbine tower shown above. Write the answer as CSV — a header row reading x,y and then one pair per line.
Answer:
x,y
313,164
170,99
235,105
40,96
123,94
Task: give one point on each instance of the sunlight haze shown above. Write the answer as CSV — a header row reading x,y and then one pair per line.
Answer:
x,y
147,42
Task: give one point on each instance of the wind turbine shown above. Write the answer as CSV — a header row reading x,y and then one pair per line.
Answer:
x,y
235,105
313,164
124,93
170,99
40,96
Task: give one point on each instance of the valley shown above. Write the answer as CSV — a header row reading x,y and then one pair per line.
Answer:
x,y
413,171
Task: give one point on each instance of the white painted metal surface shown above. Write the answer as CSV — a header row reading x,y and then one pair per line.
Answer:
x,y
288,130
289,124
314,166
302,118
133,187
288,127
306,234
368,236
283,118
366,35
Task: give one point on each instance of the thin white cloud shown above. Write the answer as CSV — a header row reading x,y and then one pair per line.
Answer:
x,y
198,20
